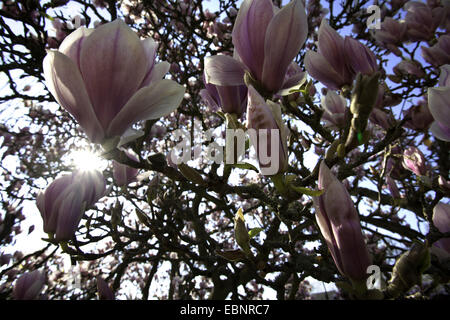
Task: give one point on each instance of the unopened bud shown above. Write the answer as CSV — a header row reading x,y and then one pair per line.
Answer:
x,y
191,174
240,231
364,96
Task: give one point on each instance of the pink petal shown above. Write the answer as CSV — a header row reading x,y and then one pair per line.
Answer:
x,y
224,71
439,104
249,33
70,213
285,36
331,47
352,249
158,72
319,68
64,81
441,217
439,132
150,47
444,78
152,102
72,44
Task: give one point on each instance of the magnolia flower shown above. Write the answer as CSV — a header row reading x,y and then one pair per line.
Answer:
x,y
359,57
264,122
409,67
338,60
439,54
422,21
439,104
391,32
107,79
339,224
414,160
335,109
328,65
29,285
266,40
63,203
123,174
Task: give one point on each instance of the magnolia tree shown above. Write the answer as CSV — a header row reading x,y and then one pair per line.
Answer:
x,y
225,149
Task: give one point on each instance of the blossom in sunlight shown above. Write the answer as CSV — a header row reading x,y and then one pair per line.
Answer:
x,y
339,223
65,200
29,285
108,79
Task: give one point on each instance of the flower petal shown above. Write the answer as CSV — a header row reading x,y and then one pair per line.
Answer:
x,y
129,135
70,213
440,132
158,72
352,249
113,64
362,58
150,47
331,47
151,102
209,100
249,33
285,36
439,104
444,78
319,68
64,81
72,44
326,230
441,217
224,71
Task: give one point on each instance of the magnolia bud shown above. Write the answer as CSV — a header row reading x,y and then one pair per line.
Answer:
x,y
240,231
414,160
